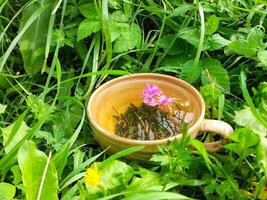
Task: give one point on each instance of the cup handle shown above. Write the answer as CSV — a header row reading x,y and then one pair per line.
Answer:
x,y
219,127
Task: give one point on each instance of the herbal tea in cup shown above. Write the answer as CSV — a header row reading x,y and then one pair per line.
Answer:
x,y
157,117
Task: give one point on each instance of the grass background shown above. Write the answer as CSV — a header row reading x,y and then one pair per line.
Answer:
x,y
55,53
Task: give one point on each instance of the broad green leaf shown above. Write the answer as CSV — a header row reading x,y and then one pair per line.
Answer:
x,y
87,27
246,137
182,9
146,180
130,37
7,159
171,45
17,177
119,16
216,41
111,176
19,134
136,33
33,42
262,56
114,174
115,30
235,147
190,73
7,191
245,118
141,195
2,108
212,24
242,47
128,8
32,163
255,38
262,153
192,36
162,159
212,69
260,2
89,11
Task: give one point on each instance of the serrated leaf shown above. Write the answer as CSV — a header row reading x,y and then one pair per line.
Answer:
x,y
32,43
7,191
130,37
32,163
216,41
212,24
87,27
2,108
190,73
118,16
115,30
255,38
248,47
213,69
242,47
245,136
136,33
162,159
192,36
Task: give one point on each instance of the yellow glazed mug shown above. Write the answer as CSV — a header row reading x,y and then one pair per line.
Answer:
x,y
114,97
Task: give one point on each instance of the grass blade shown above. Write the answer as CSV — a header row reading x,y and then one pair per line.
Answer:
x,y
34,16
249,101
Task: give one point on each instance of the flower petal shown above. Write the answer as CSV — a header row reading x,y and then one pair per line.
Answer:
x,y
151,102
164,100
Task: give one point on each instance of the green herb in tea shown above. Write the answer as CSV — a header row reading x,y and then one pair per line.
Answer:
x,y
148,123
156,118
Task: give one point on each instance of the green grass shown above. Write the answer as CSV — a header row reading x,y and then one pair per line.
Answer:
x,y
54,54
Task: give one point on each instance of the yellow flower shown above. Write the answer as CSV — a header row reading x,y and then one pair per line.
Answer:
x,y
92,176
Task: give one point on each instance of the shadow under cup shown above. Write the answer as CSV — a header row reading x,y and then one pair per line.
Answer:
x,y
114,97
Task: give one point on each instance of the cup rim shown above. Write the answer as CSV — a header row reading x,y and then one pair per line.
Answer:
x,y
120,139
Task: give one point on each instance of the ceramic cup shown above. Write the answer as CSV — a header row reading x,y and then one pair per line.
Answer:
x,y
114,97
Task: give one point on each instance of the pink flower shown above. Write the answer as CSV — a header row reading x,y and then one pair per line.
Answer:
x,y
151,91
164,100
153,96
